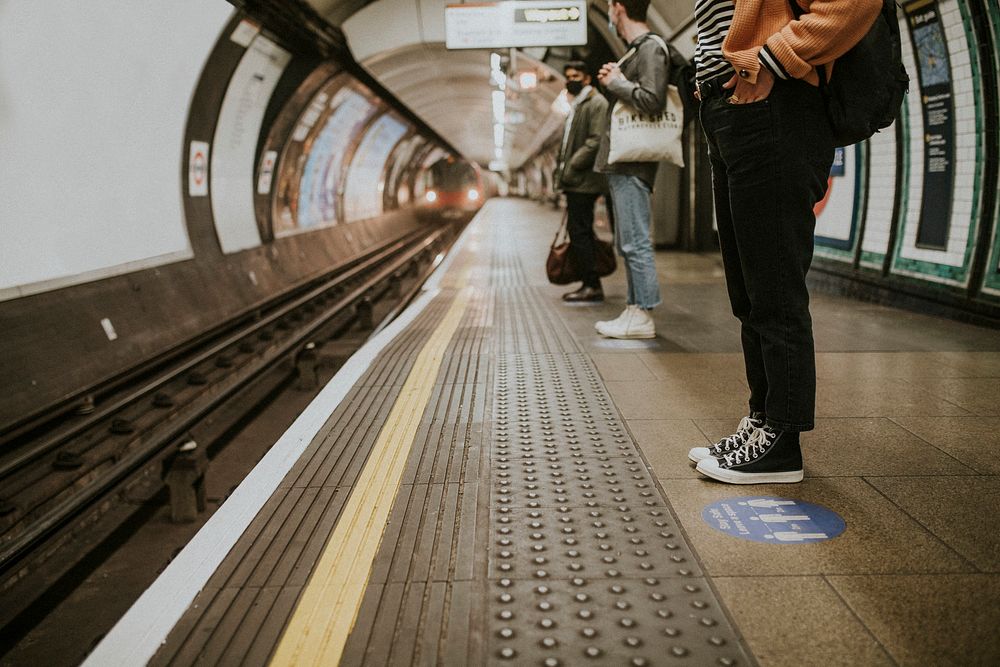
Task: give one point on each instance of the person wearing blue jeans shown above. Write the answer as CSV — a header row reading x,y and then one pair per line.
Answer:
x,y
641,83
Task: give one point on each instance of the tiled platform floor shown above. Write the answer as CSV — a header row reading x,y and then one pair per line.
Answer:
x,y
906,449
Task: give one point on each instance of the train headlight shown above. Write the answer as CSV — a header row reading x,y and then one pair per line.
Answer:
x,y
473,195
431,196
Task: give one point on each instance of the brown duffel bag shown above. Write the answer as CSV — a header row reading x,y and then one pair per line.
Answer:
x,y
560,267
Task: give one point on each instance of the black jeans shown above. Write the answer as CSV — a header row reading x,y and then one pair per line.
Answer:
x,y
770,165
580,224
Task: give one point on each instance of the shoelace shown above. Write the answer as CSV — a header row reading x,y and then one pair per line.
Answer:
x,y
736,440
755,445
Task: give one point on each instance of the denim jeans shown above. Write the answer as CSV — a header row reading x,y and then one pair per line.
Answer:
x,y
630,199
770,164
580,225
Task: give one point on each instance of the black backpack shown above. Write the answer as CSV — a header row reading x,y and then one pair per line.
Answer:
x,y
866,90
680,72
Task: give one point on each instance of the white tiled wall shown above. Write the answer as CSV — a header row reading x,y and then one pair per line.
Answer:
x,y
881,190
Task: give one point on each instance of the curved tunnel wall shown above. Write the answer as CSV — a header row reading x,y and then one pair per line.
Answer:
x,y
245,149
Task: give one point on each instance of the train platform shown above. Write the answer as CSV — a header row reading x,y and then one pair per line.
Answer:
x,y
488,481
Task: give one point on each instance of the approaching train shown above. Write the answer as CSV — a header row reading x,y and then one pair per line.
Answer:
x,y
451,188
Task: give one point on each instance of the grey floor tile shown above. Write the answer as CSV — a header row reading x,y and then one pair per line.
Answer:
x,y
728,366
798,622
974,441
964,514
973,364
878,397
880,537
851,366
947,620
665,444
621,366
980,396
697,398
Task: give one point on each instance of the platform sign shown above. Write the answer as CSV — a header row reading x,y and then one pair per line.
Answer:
x,y
266,174
938,107
198,169
774,520
500,25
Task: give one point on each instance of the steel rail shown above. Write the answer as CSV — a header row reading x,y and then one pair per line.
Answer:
x,y
28,454
14,551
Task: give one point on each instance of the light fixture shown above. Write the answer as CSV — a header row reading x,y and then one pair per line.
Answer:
x,y
527,80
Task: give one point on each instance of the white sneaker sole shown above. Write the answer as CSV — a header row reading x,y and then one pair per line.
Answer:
x,y
710,468
635,336
697,457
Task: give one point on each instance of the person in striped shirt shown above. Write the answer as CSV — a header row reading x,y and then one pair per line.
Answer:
x,y
771,148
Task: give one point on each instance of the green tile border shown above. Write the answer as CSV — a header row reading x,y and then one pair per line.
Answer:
x,y
844,250
991,281
956,276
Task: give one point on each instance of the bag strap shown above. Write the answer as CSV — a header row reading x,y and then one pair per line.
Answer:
x,y
562,229
659,40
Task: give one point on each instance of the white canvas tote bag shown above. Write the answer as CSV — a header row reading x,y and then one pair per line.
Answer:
x,y
636,137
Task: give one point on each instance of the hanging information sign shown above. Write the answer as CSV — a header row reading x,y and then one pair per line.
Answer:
x,y
938,104
502,25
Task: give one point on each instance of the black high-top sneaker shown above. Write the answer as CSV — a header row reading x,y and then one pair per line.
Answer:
x,y
732,442
767,457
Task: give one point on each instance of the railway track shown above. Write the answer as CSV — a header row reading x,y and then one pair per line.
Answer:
x,y
60,475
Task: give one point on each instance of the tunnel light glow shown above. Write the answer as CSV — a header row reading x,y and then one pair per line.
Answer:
x,y
498,152
498,135
495,61
431,196
499,106
527,80
473,195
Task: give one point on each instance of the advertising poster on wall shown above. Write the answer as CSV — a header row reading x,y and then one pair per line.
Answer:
x,y
364,188
321,177
938,105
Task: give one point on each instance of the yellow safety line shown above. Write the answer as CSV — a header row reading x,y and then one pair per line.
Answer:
x,y
328,606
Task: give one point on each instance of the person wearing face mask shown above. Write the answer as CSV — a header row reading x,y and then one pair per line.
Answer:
x,y
640,81
576,178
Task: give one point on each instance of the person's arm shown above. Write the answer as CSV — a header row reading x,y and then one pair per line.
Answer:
x,y
584,157
648,93
827,30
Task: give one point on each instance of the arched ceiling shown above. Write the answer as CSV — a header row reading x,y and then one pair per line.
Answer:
x,y
401,42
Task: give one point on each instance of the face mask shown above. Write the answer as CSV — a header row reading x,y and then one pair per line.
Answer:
x,y
574,87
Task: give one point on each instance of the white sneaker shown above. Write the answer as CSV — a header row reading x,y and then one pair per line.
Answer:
x,y
635,324
605,323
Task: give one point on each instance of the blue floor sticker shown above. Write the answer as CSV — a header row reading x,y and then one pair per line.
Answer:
x,y
774,520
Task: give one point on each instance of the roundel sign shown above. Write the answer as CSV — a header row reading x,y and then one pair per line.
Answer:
x,y
774,520
198,169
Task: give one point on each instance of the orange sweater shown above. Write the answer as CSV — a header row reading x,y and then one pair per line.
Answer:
x,y
792,48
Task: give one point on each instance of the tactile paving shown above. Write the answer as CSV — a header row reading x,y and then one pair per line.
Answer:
x,y
566,542
590,482
599,621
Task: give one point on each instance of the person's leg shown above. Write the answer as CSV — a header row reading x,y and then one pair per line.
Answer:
x,y
615,183
580,211
739,299
632,222
777,155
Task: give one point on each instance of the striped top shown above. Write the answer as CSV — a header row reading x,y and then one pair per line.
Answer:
x,y
714,18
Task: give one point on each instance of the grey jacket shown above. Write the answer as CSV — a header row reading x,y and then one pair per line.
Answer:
x,y
578,155
645,90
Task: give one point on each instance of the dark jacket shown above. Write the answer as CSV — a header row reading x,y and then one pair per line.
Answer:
x,y
577,157
645,90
